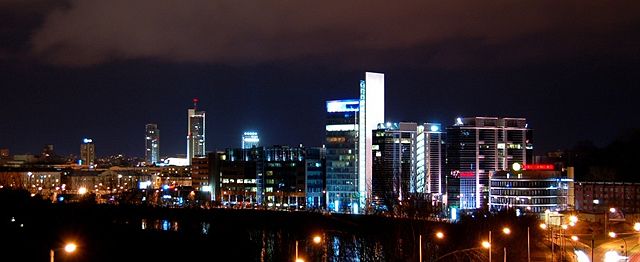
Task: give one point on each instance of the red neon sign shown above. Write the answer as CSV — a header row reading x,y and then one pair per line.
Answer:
x,y
539,167
467,174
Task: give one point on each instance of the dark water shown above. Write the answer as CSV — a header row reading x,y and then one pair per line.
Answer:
x,y
278,244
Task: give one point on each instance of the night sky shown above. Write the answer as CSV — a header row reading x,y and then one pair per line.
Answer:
x,y
103,69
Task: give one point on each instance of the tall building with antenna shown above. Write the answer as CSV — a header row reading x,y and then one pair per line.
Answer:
x,y
195,132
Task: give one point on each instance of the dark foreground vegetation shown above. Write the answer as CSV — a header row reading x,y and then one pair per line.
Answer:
x,y
30,227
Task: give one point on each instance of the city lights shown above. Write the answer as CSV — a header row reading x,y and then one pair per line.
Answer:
x,y
574,238
304,145
70,248
573,219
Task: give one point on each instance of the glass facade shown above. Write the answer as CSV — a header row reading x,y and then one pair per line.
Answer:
x,y
250,140
196,134
529,191
393,164
478,146
342,155
152,144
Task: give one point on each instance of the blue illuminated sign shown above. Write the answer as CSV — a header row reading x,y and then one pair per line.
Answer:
x,y
347,105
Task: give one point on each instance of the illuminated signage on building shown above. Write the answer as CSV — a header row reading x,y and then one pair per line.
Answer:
x,y
348,105
539,167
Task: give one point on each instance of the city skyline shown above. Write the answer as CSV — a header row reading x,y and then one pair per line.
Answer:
x,y
572,79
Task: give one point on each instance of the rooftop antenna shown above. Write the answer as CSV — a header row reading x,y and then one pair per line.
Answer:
x,y
195,103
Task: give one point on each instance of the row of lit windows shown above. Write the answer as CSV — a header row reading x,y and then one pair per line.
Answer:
x,y
611,189
524,184
247,189
238,181
512,192
525,201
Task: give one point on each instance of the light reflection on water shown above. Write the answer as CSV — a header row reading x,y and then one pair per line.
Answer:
x,y
159,224
279,244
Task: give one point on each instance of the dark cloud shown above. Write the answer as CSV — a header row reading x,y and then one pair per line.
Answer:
x,y
445,33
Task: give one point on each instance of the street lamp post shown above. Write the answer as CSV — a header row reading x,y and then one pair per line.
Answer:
x,y
420,248
69,248
614,235
506,231
528,246
489,245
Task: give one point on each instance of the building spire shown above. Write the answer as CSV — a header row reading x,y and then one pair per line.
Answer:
x,y
195,103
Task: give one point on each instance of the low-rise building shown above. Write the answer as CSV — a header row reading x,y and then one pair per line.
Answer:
x,y
532,190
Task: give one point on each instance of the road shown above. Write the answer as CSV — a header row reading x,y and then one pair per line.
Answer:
x,y
605,245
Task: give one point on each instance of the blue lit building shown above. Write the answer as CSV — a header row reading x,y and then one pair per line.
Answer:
x,y
152,144
315,162
477,146
342,154
274,176
393,163
250,139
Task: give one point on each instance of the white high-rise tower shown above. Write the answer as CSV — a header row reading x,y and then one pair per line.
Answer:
x,y
371,114
196,131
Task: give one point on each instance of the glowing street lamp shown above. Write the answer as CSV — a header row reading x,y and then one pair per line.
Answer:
x,y
317,239
573,219
69,248
612,210
486,244
543,226
506,231
440,235
636,226
612,234
574,238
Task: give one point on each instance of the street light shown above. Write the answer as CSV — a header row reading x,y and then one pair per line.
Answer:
x,y
614,235
574,238
69,248
636,226
317,239
440,235
506,231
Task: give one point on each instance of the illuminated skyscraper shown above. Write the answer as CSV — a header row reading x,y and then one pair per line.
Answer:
x,y
370,115
87,152
152,144
394,146
350,124
250,139
196,132
342,154
478,146
430,160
